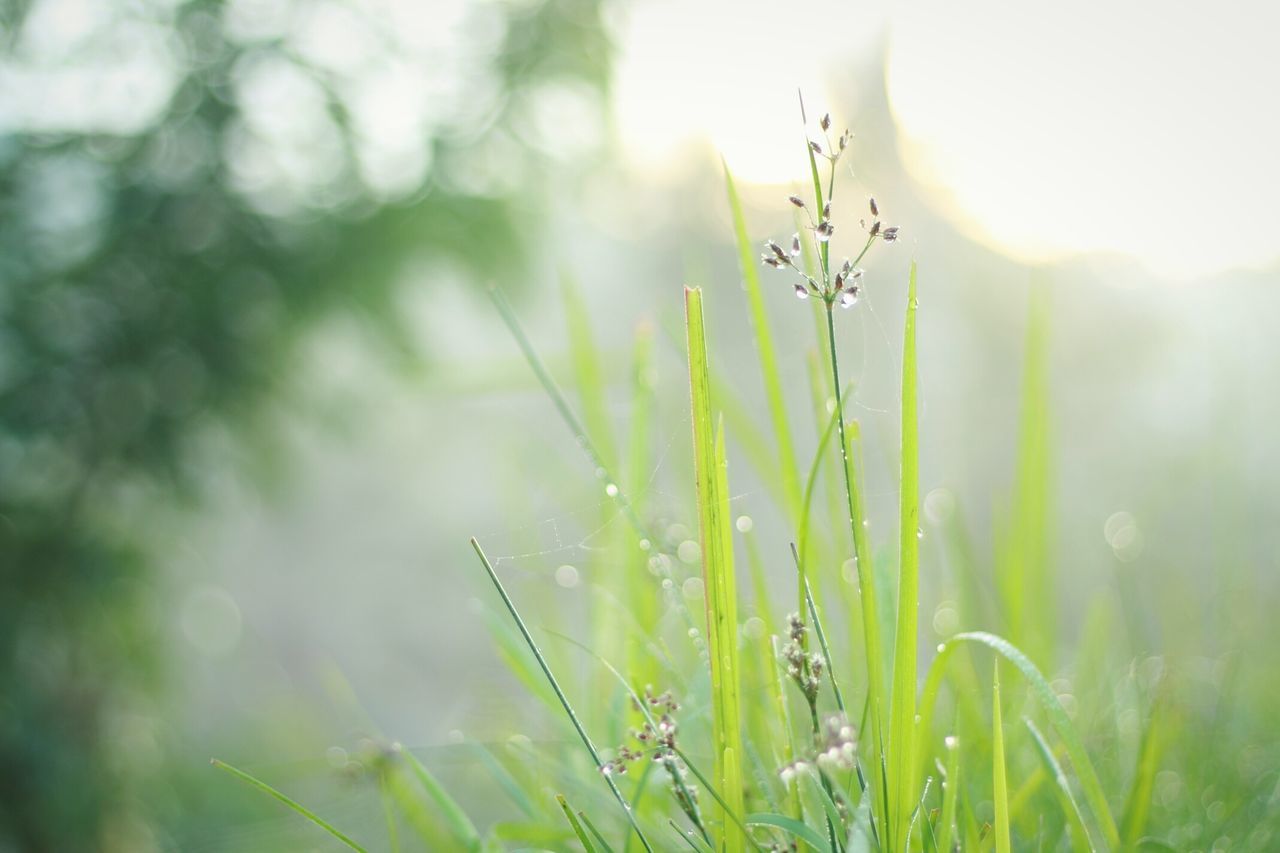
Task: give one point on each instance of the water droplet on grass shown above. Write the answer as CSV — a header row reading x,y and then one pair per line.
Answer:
x,y
611,490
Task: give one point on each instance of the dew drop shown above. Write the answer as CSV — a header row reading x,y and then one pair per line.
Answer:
x,y
951,742
919,532
689,552
645,545
611,490
744,524
848,298
567,576
802,292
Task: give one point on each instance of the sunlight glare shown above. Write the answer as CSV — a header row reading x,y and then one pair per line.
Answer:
x,y
724,75
1139,128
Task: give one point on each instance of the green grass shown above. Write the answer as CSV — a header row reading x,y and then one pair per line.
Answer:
x,y
716,540
829,739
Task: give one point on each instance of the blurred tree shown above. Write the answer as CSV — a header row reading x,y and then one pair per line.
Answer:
x,y
184,188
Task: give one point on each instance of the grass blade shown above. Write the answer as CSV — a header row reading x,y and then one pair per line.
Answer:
x,y
555,686
1070,807
950,795
999,784
787,469
676,778
791,826
1048,700
254,782
460,826
1024,573
577,827
717,570
903,701
1138,805
586,360
597,459
639,463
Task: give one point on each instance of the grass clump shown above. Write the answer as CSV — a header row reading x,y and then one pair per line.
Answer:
x,y
789,738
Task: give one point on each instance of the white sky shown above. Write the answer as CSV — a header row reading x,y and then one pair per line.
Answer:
x,y
1042,129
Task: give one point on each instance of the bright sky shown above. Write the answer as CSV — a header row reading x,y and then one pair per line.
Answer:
x,y
1146,128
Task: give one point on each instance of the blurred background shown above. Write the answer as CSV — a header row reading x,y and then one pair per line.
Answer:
x,y
253,398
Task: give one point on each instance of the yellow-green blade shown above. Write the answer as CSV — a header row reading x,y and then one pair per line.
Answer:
x,y
903,701
717,574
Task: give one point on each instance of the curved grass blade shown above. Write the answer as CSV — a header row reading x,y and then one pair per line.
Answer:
x,y
797,829
1048,700
254,782
555,686
1070,807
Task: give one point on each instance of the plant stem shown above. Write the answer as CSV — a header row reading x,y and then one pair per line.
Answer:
x,y
862,559
555,686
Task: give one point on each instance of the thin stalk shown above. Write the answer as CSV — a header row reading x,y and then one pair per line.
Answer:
x,y
254,782
558,399
999,782
866,578
555,685
902,703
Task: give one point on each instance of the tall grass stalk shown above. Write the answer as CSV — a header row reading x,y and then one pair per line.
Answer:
x,y
788,471
903,702
717,575
564,700
999,784
866,586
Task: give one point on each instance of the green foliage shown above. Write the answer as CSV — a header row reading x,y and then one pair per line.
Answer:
x,y
717,575
806,740
787,470
258,784
169,304
999,783
903,702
